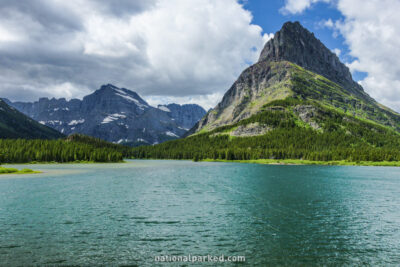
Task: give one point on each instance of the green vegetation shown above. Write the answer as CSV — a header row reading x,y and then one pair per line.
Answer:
x,y
72,149
340,137
16,171
308,85
310,162
14,124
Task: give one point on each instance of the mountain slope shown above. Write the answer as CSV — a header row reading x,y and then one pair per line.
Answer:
x,y
110,113
14,124
287,129
297,102
294,63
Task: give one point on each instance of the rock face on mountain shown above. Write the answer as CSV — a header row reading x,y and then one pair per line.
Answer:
x,y
295,64
14,124
184,115
296,44
113,114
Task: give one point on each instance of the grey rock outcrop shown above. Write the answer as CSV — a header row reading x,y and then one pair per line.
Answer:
x,y
251,129
307,114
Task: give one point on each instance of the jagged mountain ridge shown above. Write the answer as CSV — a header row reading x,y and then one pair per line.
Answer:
x,y
295,64
186,115
14,124
110,113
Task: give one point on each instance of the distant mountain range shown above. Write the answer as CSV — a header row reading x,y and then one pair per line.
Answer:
x,y
14,124
113,114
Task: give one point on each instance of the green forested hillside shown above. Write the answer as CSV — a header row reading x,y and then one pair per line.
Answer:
x,y
14,124
290,129
73,148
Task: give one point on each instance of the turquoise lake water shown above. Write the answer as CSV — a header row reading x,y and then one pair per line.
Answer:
x,y
129,213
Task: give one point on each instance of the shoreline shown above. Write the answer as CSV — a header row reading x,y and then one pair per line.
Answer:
x,y
292,162
4,170
55,162
310,162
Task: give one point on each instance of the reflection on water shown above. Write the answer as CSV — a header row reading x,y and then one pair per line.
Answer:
x,y
129,213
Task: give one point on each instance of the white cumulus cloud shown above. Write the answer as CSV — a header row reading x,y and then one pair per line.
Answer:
x,y
372,31
175,48
298,6
337,51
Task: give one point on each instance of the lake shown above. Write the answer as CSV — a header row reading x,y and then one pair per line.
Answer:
x,y
131,213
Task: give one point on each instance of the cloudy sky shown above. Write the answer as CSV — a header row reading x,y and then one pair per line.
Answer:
x,y
182,51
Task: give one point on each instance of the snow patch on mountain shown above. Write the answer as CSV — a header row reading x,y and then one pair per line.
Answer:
x,y
131,99
164,108
75,122
123,141
169,133
113,117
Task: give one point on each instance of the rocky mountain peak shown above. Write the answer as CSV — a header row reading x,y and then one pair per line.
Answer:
x,y
296,44
111,97
111,90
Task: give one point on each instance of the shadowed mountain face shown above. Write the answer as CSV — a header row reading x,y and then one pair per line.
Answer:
x,y
113,114
185,115
295,64
14,124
